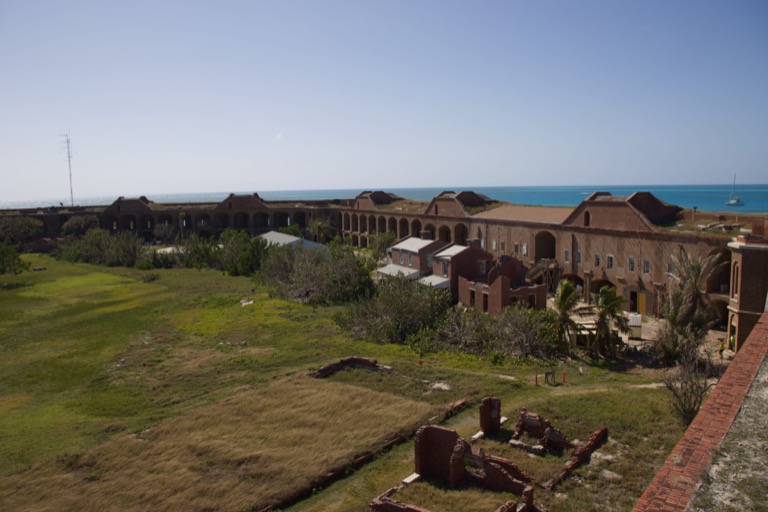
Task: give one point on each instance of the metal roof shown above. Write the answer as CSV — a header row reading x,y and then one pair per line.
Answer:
x,y
451,251
396,270
435,281
412,244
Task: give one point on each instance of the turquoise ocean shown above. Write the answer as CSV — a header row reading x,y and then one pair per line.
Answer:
x,y
711,198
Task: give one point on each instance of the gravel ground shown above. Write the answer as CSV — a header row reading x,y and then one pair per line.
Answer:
x,y
737,479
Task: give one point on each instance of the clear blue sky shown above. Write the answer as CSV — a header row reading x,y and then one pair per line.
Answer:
x,y
181,96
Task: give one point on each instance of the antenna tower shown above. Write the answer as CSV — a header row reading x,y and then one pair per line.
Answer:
x,y
68,143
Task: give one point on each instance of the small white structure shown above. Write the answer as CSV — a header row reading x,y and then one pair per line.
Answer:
x,y
277,238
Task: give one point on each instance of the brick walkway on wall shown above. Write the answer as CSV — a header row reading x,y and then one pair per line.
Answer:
x,y
674,485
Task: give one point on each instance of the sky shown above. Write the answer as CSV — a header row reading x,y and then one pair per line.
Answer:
x,y
174,96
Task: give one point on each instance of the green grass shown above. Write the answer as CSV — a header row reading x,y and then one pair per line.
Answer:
x,y
91,356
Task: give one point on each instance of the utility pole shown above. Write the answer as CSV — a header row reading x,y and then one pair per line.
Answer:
x,y
69,162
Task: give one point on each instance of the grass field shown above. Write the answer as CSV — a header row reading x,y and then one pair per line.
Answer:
x,y
122,394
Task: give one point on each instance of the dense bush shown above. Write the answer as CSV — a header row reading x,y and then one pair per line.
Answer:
x,y
517,331
239,253
320,276
399,309
20,230
79,225
10,261
101,248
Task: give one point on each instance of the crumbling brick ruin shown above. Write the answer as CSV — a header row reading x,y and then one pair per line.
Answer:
x,y
490,415
539,428
441,454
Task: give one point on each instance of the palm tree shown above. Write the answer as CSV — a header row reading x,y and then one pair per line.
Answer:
x,y
566,305
688,310
693,305
608,313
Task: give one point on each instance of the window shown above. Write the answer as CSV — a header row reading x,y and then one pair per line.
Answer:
x,y
401,257
609,261
631,264
735,280
567,256
597,260
578,256
482,267
503,247
587,219
517,248
482,243
409,259
647,266
525,249
445,268
671,268
493,245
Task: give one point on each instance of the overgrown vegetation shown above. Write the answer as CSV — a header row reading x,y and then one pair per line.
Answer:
x,y
20,230
10,260
687,312
398,310
120,391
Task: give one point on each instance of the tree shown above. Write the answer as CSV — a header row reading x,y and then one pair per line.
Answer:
x,y
79,225
398,310
20,230
608,313
10,260
321,229
166,233
240,255
694,307
690,385
318,275
380,242
566,305
293,230
687,311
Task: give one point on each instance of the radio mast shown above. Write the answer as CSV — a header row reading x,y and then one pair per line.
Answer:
x,y
68,143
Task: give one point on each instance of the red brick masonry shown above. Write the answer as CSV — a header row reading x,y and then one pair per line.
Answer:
x,y
675,483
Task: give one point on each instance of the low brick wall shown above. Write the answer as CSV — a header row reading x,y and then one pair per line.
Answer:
x,y
674,485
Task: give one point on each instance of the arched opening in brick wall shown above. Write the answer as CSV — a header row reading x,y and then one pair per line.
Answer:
x,y
403,231
416,227
345,218
720,280
445,234
166,220
221,220
354,222
355,240
545,246
261,220
382,227
111,223
430,229
720,309
460,234
128,223
392,226
147,223
300,219
363,241
282,220
363,223
242,221
372,224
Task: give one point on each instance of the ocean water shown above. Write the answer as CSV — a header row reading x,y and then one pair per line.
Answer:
x,y
710,198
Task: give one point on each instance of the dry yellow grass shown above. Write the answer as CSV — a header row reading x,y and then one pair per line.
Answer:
x,y
253,449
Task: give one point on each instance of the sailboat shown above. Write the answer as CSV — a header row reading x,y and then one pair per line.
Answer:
x,y
734,200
